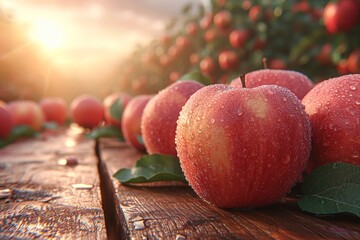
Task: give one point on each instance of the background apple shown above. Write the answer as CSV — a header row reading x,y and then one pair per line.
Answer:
x,y
353,61
26,112
158,122
243,147
334,110
238,37
131,121
87,111
223,19
228,60
296,82
6,122
113,113
54,109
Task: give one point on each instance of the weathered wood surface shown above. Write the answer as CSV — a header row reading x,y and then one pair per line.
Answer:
x,y
175,212
42,201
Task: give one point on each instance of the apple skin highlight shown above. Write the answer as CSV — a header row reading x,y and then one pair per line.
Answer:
x,y
243,148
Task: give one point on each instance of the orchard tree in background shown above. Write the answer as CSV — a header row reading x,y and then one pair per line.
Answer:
x,y
318,38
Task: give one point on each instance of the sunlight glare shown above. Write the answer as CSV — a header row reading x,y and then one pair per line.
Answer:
x,y
49,34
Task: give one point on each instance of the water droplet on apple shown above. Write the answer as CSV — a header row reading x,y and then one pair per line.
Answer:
x,y
284,99
270,92
286,159
252,119
268,165
356,155
212,120
357,102
239,112
199,131
352,87
158,139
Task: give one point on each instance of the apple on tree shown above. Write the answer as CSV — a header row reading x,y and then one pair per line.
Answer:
x,y
333,106
158,122
243,147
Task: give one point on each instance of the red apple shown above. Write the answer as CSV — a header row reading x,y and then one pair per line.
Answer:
x,y
206,21
207,66
228,60
354,61
223,19
158,122
192,29
277,64
341,16
114,105
296,82
26,112
6,122
87,111
343,67
324,56
334,110
254,13
131,121
54,109
238,38
242,147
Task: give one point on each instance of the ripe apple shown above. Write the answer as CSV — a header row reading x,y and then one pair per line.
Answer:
x,y
228,60
87,111
324,56
354,61
242,147
254,13
26,112
207,66
334,110
277,64
131,121
114,105
296,82
238,37
54,109
192,29
6,122
206,21
159,118
223,19
341,16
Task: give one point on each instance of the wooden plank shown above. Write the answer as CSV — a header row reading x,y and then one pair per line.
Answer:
x,y
175,212
42,200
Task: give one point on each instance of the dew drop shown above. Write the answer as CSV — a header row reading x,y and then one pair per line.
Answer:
x,y
352,87
239,112
139,225
357,102
180,237
270,92
268,165
287,159
212,120
252,119
284,99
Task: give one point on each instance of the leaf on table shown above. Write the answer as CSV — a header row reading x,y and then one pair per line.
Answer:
x,y
196,76
152,168
332,188
106,132
50,125
18,132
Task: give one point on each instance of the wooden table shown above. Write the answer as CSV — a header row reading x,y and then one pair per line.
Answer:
x,y
40,198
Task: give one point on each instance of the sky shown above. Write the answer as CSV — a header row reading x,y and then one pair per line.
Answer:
x,y
88,35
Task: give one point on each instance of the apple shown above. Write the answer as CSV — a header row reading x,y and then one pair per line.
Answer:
x,y
159,118
333,106
277,64
254,13
295,81
210,35
182,42
343,67
6,122
324,56
114,105
87,111
131,121
206,21
243,147
207,66
54,109
223,19
239,37
353,61
341,16
26,112
192,29
228,60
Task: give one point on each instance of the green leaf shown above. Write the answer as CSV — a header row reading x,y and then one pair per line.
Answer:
x,y
106,132
140,139
152,168
116,109
18,132
196,76
50,125
332,188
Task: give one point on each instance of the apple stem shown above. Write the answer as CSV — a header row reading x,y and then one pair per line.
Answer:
x,y
242,78
265,63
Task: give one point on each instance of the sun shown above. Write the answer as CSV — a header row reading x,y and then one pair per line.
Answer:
x,y
49,34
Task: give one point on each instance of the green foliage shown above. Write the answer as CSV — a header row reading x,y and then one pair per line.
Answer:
x,y
152,168
333,188
106,132
18,132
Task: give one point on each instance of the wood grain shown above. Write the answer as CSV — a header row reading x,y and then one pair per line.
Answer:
x,y
42,201
175,212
